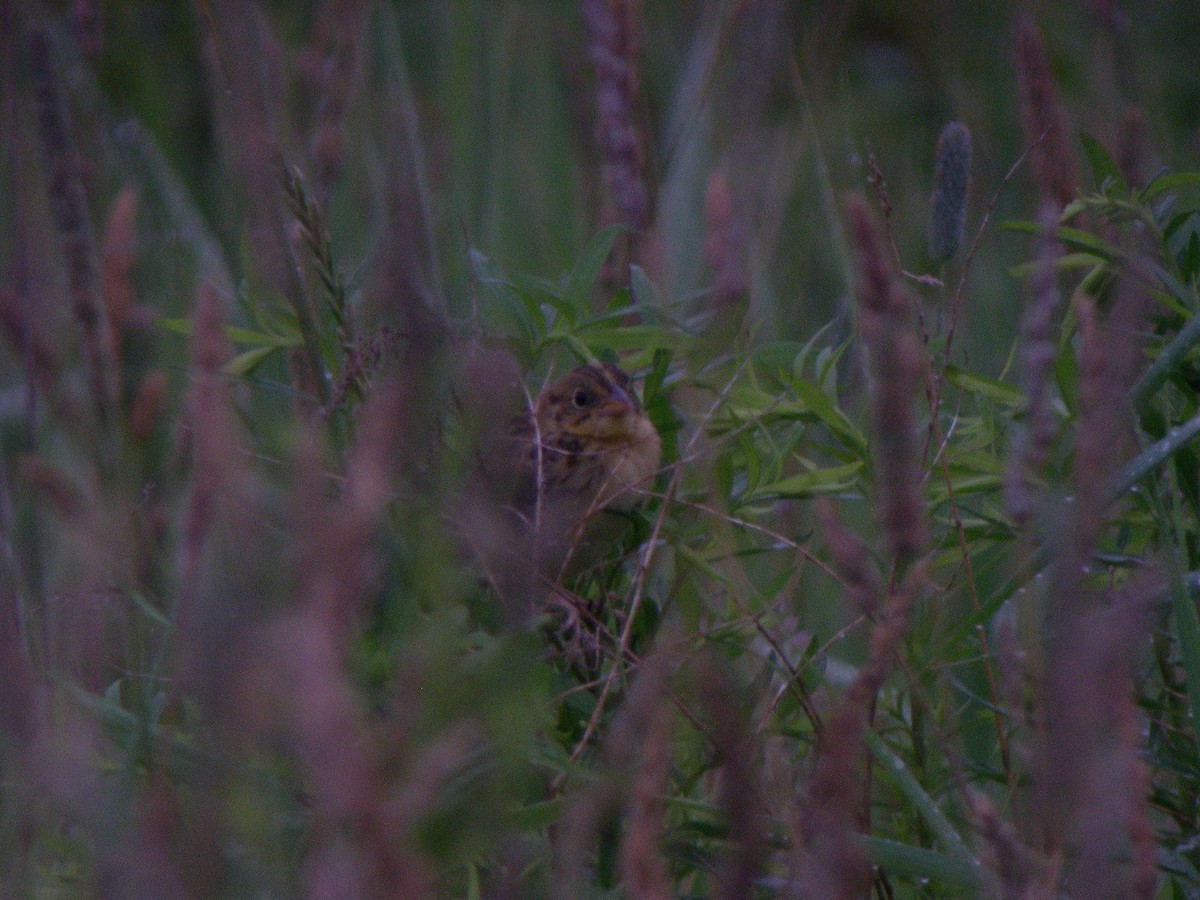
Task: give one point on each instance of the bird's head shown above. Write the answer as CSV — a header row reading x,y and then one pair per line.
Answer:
x,y
595,403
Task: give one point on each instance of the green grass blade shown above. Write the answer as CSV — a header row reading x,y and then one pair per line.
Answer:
x,y
1154,456
918,864
1165,361
1187,628
899,775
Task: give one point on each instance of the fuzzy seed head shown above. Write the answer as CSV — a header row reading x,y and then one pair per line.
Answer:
x,y
951,181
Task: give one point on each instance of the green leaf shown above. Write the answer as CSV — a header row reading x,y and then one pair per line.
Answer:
x,y
1075,207
1176,222
1165,183
1189,259
775,356
538,293
974,483
541,814
235,334
245,363
753,462
918,864
512,306
1077,239
587,267
808,484
1134,471
1183,243
1187,476
658,404
1104,170
820,404
1066,263
990,388
702,565
1066,376
178,326
816,341
899,774
645,294
1178,291
582,350
633,337
154,615
1072,238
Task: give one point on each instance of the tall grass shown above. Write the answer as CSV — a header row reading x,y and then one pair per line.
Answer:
x,y
910,609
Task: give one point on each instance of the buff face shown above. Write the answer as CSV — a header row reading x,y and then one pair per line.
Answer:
x,y
592,402
595,439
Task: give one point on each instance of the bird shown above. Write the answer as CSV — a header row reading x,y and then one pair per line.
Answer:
x,y
566,470
588,440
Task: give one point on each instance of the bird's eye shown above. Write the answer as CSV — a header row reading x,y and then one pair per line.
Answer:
x,y
581,399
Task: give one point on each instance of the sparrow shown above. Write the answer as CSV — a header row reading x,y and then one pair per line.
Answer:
x,y
588,443
581,454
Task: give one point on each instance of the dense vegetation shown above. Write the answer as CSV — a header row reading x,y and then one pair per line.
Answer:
x,y
912,292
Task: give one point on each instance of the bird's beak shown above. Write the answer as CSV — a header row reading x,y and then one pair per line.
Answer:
x,y
620,402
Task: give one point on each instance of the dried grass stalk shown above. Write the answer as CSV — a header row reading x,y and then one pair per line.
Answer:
x,y
17,696
740,795
612,30
355,834
1094,638
1019,873
828,859
725,246
340,570
210,432
341,29
1086,795
243,62
860,577
364,832
1043,117
895,368
644,873
117,259
1039,346
221,544
337,561
1143,880
69,206
1135,150
64,495
149,863
29,339
612,45
147,411
1110,358
87,23
588,809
